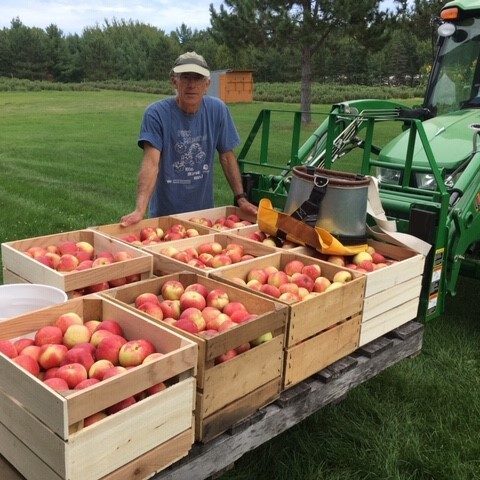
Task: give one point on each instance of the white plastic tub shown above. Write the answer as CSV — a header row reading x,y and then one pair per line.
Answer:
x,y
19,298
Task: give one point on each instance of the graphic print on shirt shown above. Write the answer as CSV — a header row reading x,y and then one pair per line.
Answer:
x,y
190,157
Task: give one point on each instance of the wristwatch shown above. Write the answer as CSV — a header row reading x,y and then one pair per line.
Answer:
x,y
240,195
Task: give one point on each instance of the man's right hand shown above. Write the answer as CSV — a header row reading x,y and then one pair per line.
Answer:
x,y
131,218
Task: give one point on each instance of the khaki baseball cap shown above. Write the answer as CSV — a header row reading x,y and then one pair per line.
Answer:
x,y
191,62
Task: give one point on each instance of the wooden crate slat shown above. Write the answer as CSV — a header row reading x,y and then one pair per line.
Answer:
x,y
242,374
387,321
122,437
314,354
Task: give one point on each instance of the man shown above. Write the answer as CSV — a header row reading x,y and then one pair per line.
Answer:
x,y
179,137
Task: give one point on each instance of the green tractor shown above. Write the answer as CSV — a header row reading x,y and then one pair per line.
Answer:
x,y
429,175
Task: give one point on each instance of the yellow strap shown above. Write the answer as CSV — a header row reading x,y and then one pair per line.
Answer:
x,y
271,221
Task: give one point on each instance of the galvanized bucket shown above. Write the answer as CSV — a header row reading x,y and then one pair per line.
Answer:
x,y
342,210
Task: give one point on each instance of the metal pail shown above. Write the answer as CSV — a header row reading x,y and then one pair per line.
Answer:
x,y
343,209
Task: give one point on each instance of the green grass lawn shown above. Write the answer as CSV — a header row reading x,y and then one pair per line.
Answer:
x,y
69,160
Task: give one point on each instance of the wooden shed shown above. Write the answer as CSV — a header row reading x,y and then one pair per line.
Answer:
x,y
232,86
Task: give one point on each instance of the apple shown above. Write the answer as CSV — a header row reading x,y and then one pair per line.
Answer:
x,y
214,322
195,315
170,308
210,313
172,290
32,351
321,284
197,287
217,298
233,306
303,281
67,319
243,348
94,418
277,278
209,333
313,271
85,247
52,355
113,372
50,373
227,325
127,402
293,266
67,247
134,352
27,363
112,326
8,348
109,348
224,357
152,357
152,309
367,265
270,269
193,299
271,290
73,373
98,336
121,256
336,260
187,325
67,263
342,276
205,258
48,334
98,368
220,260
57,384
254,285
334,286
92,325
288,287
20,344
266,337
169,251
158,387
86,383
76,334
101,261
240,316
361,257
98,287
377,257
289,297
239,281
146,297
257,274
117,282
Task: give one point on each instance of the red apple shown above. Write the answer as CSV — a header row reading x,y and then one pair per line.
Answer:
x,y
192,299
109,348
134,352
170,308
197,287
21,343
187,325
113,372
8,348
127,402
234,306
112,326
98,335
98,368
146,297
28,363
52,355
313,271
86,383
152,309
172,290
48,334
67,263
33,351
67,319
321,284
76,334
57,384
73,373
294,266
228,355
217,298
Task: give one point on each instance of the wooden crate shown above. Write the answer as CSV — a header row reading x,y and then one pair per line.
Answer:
x,y
320,330
163,264
118,232
42,430
392,294
217,212
31,271
230,391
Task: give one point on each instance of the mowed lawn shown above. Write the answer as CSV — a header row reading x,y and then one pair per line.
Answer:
x,y
69,160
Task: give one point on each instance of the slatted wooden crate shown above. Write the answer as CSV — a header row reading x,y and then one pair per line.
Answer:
x,y
164,264
320,330
215,213
28,270
118,232
392,293
230,391
42,431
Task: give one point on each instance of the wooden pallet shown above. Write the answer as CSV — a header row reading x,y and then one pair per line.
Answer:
x,y
294,405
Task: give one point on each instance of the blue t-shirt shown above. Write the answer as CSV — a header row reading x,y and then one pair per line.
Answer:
x,y
187,143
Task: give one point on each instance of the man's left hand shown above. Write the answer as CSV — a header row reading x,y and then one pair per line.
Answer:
x,y
247,207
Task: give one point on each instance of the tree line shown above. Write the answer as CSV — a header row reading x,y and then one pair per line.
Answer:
x,y
349,41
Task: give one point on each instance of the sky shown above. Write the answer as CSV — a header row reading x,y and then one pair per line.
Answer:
x,y
72,16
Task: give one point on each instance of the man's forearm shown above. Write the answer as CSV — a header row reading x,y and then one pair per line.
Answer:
x,y
229,164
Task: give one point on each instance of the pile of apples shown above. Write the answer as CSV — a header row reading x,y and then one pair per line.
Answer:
x,y
72,354
297,281
363,262
70,256
209,254
154,235
222,223
195,309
